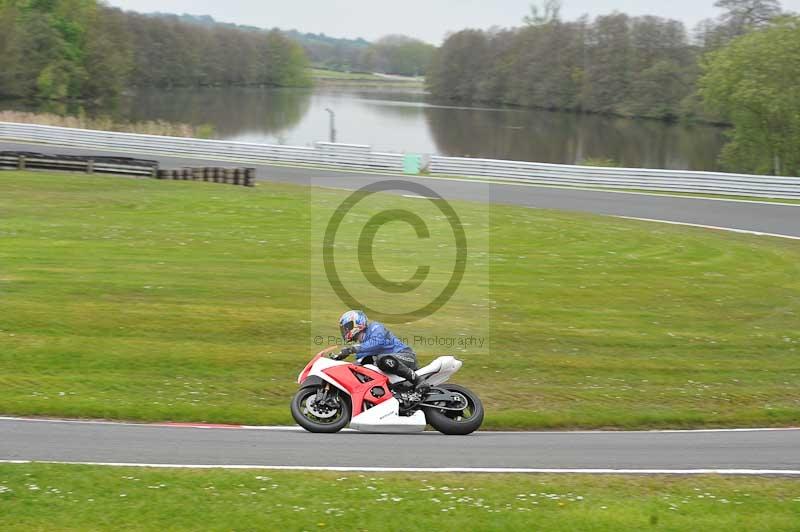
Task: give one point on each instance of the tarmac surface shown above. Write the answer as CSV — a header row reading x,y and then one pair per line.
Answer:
x,y
772,451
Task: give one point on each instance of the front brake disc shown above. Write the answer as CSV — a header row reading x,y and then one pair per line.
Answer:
x,y
319,411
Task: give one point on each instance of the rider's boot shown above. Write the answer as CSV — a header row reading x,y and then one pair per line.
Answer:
x,y
420,386
417,381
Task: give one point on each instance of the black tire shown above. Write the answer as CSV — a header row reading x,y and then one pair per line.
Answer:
x,y
311,423
456,423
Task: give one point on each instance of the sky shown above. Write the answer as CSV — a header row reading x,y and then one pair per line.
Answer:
x,y
429,20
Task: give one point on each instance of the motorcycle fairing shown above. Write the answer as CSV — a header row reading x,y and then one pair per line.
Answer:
x,y
372,387
385,418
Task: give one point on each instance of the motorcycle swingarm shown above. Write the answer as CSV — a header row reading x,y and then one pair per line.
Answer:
x,y
441,397
437,407
447,397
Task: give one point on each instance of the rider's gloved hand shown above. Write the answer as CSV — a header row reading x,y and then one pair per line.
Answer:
x,y
344,353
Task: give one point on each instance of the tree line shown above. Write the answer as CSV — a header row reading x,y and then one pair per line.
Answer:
x,y
642,66
393,54
397,54
60,49
741,68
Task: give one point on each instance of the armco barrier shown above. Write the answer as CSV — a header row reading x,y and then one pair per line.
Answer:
x,y
70,163
361,157
340,155
620,178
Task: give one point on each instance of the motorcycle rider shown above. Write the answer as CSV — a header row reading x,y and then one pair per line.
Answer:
x,y
375,344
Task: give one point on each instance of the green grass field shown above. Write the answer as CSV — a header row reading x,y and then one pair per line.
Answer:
x,y
49,497
149,300
319,73
334,77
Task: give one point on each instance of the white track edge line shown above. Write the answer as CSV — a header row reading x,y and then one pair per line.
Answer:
x,y
714,227
290,428
495,470
466,179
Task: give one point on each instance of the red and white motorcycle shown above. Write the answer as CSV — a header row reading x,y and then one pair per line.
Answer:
x,y
334,394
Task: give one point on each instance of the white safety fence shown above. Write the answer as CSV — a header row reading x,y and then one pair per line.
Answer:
x,y
621,178
361,157
326,154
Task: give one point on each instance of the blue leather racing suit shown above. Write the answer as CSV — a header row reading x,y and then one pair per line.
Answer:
x,y
377,345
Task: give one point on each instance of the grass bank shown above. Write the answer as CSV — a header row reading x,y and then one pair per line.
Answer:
x,y
150,127
51,497
146,300
334,77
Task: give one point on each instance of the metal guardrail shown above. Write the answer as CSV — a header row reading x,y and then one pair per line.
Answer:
x,y
620,178
71,163
361,157
92,164
326,154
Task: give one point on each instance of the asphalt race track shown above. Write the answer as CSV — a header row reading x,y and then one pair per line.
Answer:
x,y
761,217
740,451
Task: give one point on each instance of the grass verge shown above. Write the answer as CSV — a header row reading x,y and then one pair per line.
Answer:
x,y
146,300
321,73
152,127
56,497
334,77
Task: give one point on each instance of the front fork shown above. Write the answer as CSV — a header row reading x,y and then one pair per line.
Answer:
x,y
324,396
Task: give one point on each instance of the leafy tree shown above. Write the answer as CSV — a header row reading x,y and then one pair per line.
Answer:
x,y
547,13
744,15
63,49
397,54
609,67
753,83
12,78
739,18
546,59
500,76
662,67
107,56
459,66
284,63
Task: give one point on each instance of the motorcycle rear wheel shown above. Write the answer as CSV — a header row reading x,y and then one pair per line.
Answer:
x,y
456,423
304,416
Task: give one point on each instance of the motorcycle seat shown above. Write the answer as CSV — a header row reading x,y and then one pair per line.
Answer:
x,y
430,369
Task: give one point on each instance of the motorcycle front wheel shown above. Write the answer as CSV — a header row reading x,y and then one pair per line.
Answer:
x,y
456,422
320,418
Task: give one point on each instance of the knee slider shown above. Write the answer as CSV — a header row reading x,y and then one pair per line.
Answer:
x,y
388,363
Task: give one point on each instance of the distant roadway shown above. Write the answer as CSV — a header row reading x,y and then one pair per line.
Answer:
x,y
758,217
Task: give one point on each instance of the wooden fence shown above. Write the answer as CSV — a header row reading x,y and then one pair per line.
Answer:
x,y
74,163
124,166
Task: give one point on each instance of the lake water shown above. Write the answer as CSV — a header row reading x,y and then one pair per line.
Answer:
x,y
406,121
